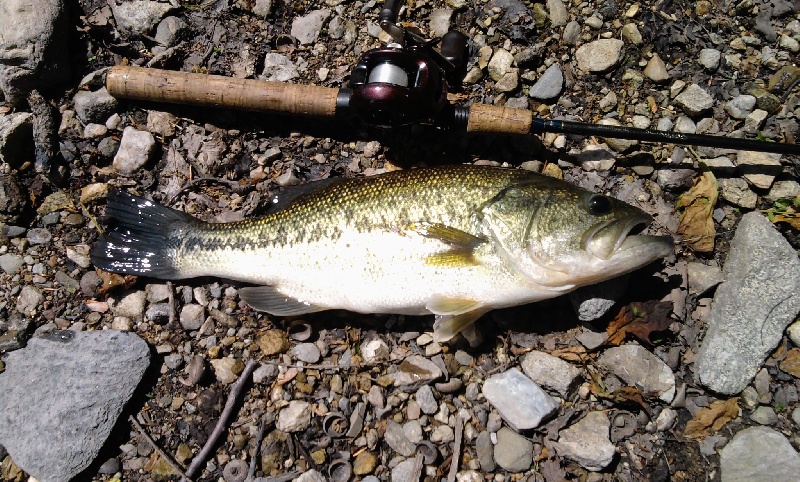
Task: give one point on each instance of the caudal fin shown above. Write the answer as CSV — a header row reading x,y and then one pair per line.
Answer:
x,y
140,237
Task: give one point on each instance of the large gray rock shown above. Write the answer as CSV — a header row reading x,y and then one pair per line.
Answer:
x,y
33,46
758,300
759,454
61,395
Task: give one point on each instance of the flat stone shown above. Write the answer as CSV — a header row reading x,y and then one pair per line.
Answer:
x,y
587,442
295,417
131,306
737,191
754,121
759,454
721,165
509,82
551,372
440,21
375,351
739,107
702,277
762,286
709,58
513,452
637,366
402,471
29,300
75,402
307,28
782,190
396,438
426,400
764,416
549,84
415,371
694,100
557,12
599,56
593,301
484,449
135,150
11,263
521,403
278,68
306,352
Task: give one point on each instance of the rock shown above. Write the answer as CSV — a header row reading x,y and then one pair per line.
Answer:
x,y
440,21
739,107
557,12
759,454
12,202
709,58
192,316
656,70
364,463
592,339
138,17
513,452
736,191
702,277
521,403
762,285
789,43
415,371
509,82
754,121
131,306
306,29
29,300
265,374
782,190
599,56
587,442
639,367
169,31
39,236
396,438
500,64
721,165
694,100
161,123
75,402
764,416
33,47
272,342
262,8
630,32
759,168
572,33
11,263
549,84
310,476
278,68
594,22
295,417
413,431
402,471
375,352
674,179
596,157
16,138
551,372
94,107
227,370
135,150
306,352
426,400
794,333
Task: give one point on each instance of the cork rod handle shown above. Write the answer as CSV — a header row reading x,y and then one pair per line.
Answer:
x,y
216,91
491,119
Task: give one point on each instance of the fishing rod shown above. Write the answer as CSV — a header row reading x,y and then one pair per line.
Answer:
x,y
400,84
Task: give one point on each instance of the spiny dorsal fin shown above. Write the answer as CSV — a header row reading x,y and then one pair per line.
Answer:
x,y
269,299
462,244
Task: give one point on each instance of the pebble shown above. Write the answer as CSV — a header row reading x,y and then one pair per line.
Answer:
x,y
789,43
764,416
310,476
762,282
265,374
599,56
509,82
596,157
295,417
709,58
131,306
760,168
592,339
135,150
754,121
272,342
721,165
587,442
396,438
500,64
572,33
796,416
94,107
759,454
11,263
192,316
195,370
630,32
737,191
138,17
39,236
639,367
426,400
97,371
227,370
307,352
415,371
594,22
557,12
521,403
782,189
484,449
656,70
169,31
365,463
402,471
278,68
513,452
161,123
694,100
549,84
739,107
702,277
29,300
307,28
551,372
174,361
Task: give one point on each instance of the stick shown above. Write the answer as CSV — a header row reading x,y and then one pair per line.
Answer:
x,y
223,419
451,477
177,468
251,471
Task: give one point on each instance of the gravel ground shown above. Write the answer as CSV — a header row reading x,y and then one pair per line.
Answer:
x,y
606,391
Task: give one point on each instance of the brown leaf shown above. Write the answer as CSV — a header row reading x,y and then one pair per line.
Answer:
x,y
696,222
630,395
792,220
640,320
112,280
791,362
715,417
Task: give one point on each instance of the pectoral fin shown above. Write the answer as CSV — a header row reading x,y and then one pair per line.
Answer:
x,y
462,244
453,315
269,299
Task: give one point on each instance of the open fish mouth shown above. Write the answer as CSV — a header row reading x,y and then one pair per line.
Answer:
x,y
616,238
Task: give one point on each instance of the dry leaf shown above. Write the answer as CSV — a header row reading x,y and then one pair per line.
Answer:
x,y
791,362
715,417
792,220
112,280
697,223
640,320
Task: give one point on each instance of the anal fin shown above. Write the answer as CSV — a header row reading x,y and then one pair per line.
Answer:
x,y
453,315
272,301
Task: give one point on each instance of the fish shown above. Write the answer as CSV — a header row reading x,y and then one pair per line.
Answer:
x,y
451,241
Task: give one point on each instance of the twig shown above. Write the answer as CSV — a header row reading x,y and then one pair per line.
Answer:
x,y
171,300
451,477
279,478
305,453
257,449
177,468
200,459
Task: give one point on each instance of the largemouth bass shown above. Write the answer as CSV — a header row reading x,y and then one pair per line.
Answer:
x,y
452,241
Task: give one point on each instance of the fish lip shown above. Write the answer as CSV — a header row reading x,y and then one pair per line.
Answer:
x,y
623,227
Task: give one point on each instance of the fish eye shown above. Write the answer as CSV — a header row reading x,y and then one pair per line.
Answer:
x,y
599,204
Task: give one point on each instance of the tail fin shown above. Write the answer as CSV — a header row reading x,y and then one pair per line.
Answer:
x,y
140,237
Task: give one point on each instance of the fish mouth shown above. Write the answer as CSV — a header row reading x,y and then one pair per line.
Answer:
x,y
615,238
